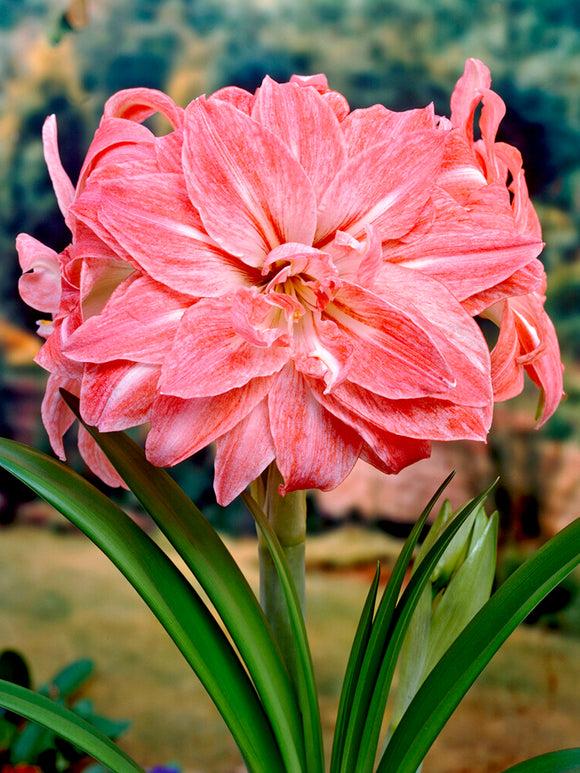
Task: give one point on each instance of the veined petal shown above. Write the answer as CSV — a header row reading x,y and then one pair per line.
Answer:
x,y
39,286
451,329
180,427
426,418
235,468
252,194
56,415
392,352
377,124
306,124
208,357
96,460
386,185
152,218
313,448
63,187
118,395
141,103
137,324
240,98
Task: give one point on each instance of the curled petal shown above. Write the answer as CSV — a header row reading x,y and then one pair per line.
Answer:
x,y
118,395
63,187
141,103
56,415
96,460
39,286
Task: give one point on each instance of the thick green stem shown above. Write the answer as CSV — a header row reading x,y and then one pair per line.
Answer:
x,y
287,515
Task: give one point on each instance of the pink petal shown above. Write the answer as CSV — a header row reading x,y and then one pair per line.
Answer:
x,y
138,323
39,286
386,185
56,415
306,125
235,469
152,218
208,357
96,460
376,125
427,418
63,187
179,427
240,98
392,352
392,453
530,278
140,103
313,448
118,395
467,95
251,192
451,329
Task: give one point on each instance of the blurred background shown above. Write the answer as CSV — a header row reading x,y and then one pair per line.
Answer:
x,y
68,56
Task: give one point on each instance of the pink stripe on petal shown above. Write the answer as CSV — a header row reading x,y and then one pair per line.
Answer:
x,y
152,218
56,415
63,187
306,124
313,448
138,323
118,395
235,468
140,103
386,186
427,418
392,351
375,125
208,357
179,427
96,460
39,286
251,192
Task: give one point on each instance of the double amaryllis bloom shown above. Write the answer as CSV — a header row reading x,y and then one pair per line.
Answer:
x,y
292,280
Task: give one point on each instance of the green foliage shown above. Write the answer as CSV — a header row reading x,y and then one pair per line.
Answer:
x,y
29,743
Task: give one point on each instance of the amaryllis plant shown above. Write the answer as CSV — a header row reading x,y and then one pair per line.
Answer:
x,y
302,285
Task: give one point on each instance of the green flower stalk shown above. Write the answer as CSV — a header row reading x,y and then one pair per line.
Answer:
x,y
460,585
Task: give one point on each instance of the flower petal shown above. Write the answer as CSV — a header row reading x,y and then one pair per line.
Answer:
x,y
392,352
313,448
141,103
306,124
377,124
179,427
235,469
137,324
252,194
152,218
96,460
209,357
386,185
118,395
63,187
39,286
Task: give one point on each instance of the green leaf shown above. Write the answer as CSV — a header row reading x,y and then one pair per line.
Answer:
x,y
205,554
454,674
564,761
62,721
375,649
175,603
68,680
396,635
352,673
307,694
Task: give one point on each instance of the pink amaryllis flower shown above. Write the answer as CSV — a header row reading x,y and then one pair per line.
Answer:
x,y
294,281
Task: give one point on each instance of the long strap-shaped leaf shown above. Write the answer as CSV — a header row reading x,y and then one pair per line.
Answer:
x,y
175,603
38,708
474,647
307,694
197,542
348,745
563,761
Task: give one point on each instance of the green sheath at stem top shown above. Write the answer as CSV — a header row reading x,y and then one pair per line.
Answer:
x,y
287,516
